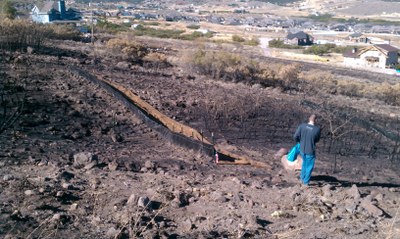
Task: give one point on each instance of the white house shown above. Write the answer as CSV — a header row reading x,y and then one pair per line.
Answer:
x,y
52,11
379,56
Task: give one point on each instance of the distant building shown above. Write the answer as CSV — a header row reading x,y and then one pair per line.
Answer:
x,y
379,56
300,38
358,38
339,28
53,11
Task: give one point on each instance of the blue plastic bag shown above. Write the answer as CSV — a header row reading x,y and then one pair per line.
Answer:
x,y
293,153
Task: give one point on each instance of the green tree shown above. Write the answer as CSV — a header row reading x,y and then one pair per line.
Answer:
x,y
7,9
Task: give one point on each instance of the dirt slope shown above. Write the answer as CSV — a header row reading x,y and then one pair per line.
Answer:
x,y
79,164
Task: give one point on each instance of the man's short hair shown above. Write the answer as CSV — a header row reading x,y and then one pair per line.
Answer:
x,y
312,117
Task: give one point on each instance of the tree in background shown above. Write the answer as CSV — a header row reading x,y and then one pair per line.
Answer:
x,y
7,9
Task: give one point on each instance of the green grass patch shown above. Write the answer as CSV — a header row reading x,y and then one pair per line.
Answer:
x,y
193,26
277,43
237,38
110,27
252,42
166,33
325,49
150,23
329,18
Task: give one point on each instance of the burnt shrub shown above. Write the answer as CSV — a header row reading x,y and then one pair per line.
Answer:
x,y
19,34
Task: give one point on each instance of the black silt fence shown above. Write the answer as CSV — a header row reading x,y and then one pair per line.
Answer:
x,y
152,122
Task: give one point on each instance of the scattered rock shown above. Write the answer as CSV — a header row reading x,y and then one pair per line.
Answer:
x,y
43,163
16,215
326,190
59,218
188,225
132,200
256,185
371,208
65,175
353,192
112,233
73,207
182,199
143,202
379,197
119,203
67,186
8,177
132,165
30,50
351,206
33,160
211,178
84,158
123,65
116,137
60,194
279,214
56,217
90,165
276,179
113,165
29,192
217,196
150,165
95,182
257,86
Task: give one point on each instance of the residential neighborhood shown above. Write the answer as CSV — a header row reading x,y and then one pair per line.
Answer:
x,y
299,31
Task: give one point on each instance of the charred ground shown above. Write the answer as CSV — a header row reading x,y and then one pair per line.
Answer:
x,y
77,163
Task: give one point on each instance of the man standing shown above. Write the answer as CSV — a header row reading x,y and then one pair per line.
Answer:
x,y
308,135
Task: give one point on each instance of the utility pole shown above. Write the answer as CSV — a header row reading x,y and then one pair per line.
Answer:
x,y
91,23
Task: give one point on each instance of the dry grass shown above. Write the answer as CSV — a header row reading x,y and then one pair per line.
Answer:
x,y
19,34
126,44
289,234
393,231
225,66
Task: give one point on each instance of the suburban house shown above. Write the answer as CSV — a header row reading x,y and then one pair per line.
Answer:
x,y
379,56
340,28
300,38
52,11
358,37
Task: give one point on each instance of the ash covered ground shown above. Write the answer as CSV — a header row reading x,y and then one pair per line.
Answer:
x,y
77,163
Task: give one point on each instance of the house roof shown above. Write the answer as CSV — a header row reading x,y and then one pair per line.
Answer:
x,y
352,53
387,47
48,6
298,35
356,34
384,48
